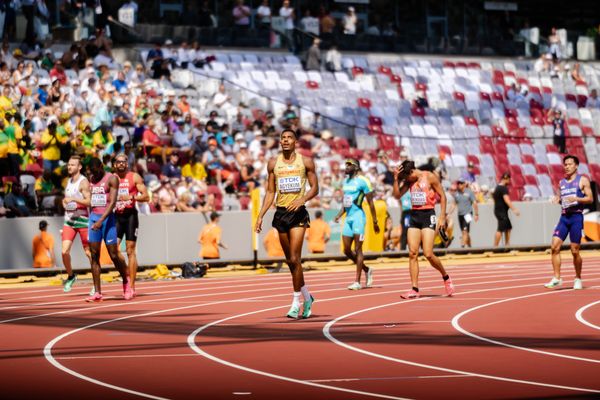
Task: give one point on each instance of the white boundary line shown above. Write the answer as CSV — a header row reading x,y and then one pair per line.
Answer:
x,y
328,335
456,325
579,315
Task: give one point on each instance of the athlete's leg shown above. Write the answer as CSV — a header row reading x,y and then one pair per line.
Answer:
x,y
497,238
414,242
95,263
66,256
296,238
427,237
360,258
507,238
577,261
132,261
556,259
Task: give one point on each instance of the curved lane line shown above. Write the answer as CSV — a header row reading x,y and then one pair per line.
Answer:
x,y
579,315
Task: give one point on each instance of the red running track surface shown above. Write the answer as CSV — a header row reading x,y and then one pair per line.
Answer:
x,y
502,336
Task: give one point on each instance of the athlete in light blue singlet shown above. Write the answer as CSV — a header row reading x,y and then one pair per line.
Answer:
x,y
356,188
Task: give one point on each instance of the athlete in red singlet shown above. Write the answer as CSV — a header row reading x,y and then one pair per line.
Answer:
x,y
425,190
131,190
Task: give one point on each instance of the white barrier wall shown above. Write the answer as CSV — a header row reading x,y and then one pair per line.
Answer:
x,y
173,238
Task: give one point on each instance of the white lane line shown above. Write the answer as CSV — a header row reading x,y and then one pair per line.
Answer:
x,y
129,356
48,348
401,277
579,315
389,378
456,325
329,336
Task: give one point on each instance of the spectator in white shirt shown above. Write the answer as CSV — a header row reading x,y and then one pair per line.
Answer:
x,y
287,13
183,55
241,14
349,22
309,23
593,101
263,13
333,60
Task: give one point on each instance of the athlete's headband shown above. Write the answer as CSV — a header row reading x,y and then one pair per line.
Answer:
x,y
353,162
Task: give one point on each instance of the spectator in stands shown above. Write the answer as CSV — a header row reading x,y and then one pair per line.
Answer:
x,y
502,204
214,161
210,238
4,145
205,16
469,176
16,203
49,195
241,14
51,143
43,248
263,14
287,13
333,59
349,22
318,234
167,199
576,74
309,23
313,58
327,24
556,118
172,168
554,45
593,101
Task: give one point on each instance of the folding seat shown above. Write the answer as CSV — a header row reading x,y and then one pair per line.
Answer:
x,y
528,169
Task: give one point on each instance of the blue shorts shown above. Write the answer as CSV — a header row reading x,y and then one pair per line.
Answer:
x,y
355,225
108,232
569,224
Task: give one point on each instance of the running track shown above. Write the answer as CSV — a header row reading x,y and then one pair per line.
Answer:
x,y
502,336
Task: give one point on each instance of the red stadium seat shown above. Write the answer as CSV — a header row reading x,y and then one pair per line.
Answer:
x,y
542,169
395,79
312,85
373,120
459,96
420,86
364,102
471,121
384,70
530,180
472,159
357,71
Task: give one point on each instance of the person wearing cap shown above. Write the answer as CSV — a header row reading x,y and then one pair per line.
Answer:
x,y
575,193
425,189
286,186
356,187
468,176
210,238
42,247
468,211
502,204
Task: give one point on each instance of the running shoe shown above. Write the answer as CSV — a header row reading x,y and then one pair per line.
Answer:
x,y
127,291
369,275
554,282
449,287
577,284
354,286
96,298
307,307
294,311
92,291
411,294
69,284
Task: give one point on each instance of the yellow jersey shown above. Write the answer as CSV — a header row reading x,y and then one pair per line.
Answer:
x,y
290,180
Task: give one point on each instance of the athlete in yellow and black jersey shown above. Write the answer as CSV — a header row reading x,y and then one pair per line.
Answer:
x,y
288,174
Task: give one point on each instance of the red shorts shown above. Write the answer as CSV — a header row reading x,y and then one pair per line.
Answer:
x,y
69,233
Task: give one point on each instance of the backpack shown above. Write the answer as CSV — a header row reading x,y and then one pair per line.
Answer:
x,y
193,270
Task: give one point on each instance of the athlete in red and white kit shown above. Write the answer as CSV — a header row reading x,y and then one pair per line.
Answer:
x,y
131,191
425,189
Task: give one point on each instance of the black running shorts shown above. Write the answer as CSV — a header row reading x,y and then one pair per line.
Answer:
x,y
285,220
127,225
503,222
464,225
422,219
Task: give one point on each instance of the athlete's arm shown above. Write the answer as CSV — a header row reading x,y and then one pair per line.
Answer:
x,y
399,190
435,185
509,203
269,194
113,184
584,184
142,195
373,213
340,214
84,189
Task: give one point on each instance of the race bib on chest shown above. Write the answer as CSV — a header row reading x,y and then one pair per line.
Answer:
x,y
418,198
123,192
567,202
71,206
348,201
289,184
99,200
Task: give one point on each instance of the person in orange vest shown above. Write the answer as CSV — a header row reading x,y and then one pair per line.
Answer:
x,y
210,238
272,244
318,234
43,248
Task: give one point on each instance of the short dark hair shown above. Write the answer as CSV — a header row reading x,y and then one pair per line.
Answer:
x,y
506,175
571,157
95,163
289,130
318,214
407,167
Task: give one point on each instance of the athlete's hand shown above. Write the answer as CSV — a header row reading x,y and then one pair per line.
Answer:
x,y
517,212
337,219
124,197
441,223
97,225
66,201
376,227
399,170
295,205
258,226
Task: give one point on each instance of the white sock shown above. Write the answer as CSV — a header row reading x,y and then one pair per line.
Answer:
x,y
296,300
305,292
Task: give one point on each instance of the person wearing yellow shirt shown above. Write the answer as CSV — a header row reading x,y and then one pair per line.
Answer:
x,y
5,101
15,133
103,140
194,169
51,143
4,163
